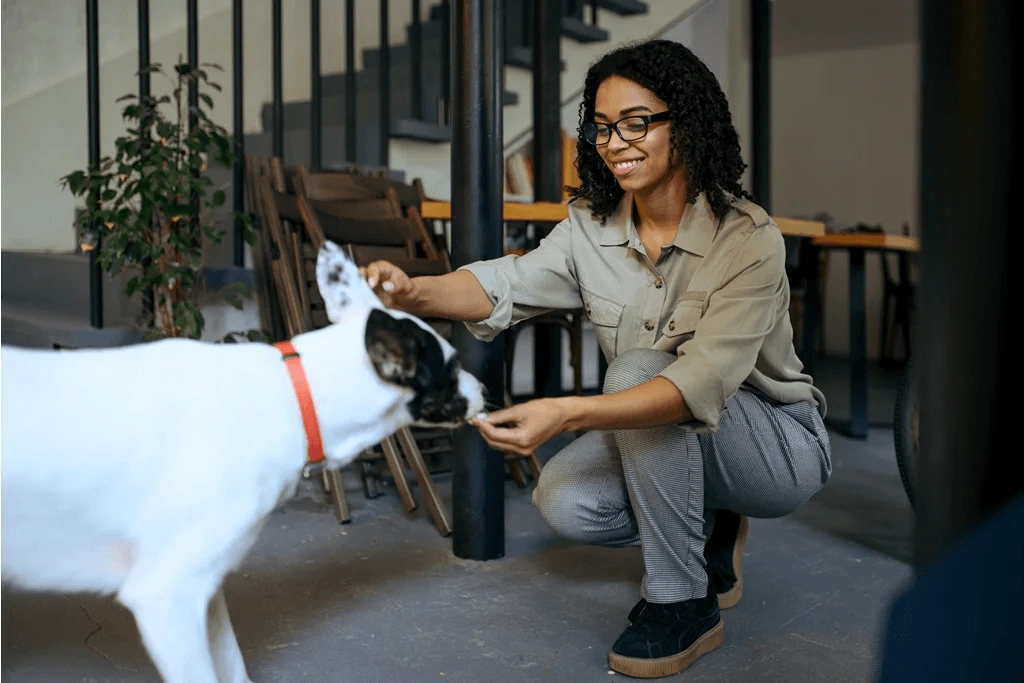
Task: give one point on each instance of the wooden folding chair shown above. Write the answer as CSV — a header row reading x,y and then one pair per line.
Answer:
x,y
283,247
367,240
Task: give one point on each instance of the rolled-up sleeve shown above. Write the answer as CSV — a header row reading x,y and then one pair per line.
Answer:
x,y
521,287
728,337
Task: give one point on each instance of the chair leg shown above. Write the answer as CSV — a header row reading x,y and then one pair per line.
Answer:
x,y
335,487
367,478
435,506
510,355
394,461
535,465
905,315
883,348
517,471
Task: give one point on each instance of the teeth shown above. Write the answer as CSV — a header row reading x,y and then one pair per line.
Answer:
x,y
622,165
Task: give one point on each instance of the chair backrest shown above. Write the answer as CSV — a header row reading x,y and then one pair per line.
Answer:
x,y
349,197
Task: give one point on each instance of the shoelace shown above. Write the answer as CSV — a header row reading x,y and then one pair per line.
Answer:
x,y
654,616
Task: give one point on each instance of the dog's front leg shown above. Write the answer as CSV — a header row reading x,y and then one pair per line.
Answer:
x,y
173,628
227,656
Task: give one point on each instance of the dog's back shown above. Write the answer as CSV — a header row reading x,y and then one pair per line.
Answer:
x,y
90,479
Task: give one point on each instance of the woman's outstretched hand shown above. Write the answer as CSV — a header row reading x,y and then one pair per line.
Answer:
x,y
389,283
522,428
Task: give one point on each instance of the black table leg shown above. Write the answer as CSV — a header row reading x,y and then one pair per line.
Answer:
x,y
857,427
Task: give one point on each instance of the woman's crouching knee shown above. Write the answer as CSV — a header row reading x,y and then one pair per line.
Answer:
x,y
579,513
559,507
635,367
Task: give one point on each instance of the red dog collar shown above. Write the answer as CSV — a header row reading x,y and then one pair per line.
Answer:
x,y
294,364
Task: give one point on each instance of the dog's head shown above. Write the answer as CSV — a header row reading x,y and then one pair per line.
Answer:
x,y
403,350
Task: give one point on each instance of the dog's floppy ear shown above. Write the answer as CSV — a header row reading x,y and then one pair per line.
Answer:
x,y
392,350
340,282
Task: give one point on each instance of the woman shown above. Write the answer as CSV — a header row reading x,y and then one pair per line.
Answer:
x,y
706,417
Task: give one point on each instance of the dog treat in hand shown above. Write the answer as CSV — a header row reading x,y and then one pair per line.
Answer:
x,y
482,416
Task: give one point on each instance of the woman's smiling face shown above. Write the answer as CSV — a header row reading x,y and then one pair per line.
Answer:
x,y
641,164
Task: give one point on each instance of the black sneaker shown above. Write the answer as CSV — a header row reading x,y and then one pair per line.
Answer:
x,y
665,639
724,554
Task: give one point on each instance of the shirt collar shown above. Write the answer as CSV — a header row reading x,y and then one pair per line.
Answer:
x,y
697,227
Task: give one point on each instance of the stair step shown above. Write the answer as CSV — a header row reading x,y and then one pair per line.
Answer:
x,y
413,129
522,57
623,8
581,31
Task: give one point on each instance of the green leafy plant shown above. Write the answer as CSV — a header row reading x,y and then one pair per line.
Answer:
x,y
152,202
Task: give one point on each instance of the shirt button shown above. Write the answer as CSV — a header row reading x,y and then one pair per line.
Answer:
x,y
657,285
672,325
648,325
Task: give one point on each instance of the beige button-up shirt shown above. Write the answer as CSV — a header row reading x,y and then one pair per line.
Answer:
x,y
717,297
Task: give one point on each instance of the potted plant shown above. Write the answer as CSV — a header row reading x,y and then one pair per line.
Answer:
x,y
151,204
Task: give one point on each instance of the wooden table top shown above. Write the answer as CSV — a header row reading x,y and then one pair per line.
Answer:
x,y
553,212
867,240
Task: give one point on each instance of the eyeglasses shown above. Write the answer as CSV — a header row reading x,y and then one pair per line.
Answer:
x,y
629,129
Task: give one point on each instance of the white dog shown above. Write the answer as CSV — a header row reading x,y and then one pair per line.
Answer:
x,y
101,495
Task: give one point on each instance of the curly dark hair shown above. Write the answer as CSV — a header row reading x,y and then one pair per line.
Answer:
x,y
702,129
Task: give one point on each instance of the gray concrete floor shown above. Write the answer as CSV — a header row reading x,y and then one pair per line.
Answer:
x,y
384,600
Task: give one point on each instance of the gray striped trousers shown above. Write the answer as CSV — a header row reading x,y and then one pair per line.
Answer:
x,y
658,487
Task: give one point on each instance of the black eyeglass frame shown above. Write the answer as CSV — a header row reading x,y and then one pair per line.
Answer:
x,y
595,126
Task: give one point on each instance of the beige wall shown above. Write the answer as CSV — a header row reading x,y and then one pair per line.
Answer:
x,y
844,140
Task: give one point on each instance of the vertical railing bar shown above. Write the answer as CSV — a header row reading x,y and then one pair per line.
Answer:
x,y
192,45
417,62
384,65
92,56
278,96
446,65
145,92
316,99
238,72
350,81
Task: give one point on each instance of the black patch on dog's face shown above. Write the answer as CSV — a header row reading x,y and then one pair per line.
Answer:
x,y
404,353
337,274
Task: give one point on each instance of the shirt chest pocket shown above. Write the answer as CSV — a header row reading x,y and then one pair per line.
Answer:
x,y
605,314
683,322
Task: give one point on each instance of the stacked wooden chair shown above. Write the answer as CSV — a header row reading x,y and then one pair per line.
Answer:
x,y
373,218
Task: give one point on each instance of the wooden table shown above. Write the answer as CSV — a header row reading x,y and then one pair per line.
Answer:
x,y
540,212
857,243
554,212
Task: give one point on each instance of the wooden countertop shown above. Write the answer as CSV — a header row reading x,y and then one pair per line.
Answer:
x,y
867,240
553,212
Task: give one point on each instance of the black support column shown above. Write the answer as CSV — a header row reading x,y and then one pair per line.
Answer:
x,y
478,475
971,243
547,175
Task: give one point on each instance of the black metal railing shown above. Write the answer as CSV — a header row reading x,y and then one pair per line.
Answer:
x,y
419,106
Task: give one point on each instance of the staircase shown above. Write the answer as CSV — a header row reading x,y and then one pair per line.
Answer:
x,y
428,124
